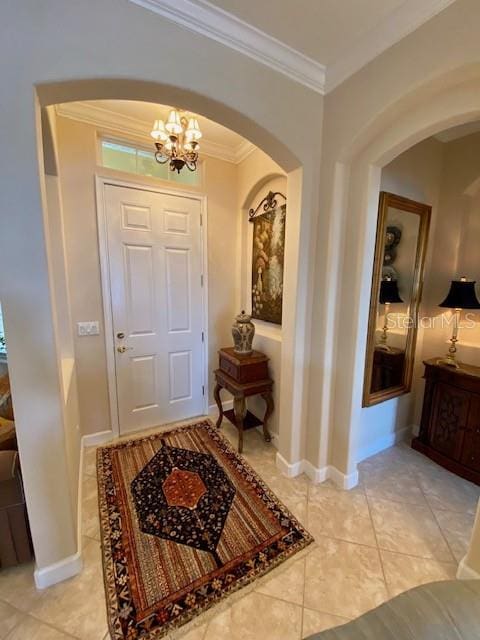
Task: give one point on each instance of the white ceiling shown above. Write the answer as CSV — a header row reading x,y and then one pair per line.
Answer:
x,y
132,118
318,43
320,29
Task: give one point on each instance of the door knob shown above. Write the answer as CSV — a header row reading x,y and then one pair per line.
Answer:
x,y
120,335
123,348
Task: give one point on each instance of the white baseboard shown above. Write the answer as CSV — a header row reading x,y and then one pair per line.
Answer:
x,y
288,469
59,571
317,474
342,480
100,437
464,572
385,442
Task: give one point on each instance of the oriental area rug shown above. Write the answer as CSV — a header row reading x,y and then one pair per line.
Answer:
x,y
185,521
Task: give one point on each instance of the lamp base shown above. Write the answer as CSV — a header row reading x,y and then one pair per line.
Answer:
x,y
449,362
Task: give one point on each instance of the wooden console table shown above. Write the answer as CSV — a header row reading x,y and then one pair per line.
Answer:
x,y
244,376
450,426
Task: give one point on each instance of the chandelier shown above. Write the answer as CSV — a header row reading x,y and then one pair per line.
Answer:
x,y
176,141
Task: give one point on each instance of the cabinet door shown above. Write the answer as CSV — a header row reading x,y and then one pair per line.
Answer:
x,y
449,419
471,442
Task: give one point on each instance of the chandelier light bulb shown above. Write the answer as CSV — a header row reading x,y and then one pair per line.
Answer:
x,y
158,132
174,126
193,130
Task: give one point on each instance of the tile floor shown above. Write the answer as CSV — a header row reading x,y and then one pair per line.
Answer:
x,y
408,522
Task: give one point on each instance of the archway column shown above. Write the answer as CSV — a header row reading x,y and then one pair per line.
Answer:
x,y
27,302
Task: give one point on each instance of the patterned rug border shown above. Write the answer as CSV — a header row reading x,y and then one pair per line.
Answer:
x,y
191,619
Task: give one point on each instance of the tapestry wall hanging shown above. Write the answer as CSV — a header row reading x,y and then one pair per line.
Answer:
x,y
268,258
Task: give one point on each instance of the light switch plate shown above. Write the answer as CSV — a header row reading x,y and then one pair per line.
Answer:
x,y
91,328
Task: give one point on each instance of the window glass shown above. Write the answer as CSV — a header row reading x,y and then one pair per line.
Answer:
x,y
124,157
119,156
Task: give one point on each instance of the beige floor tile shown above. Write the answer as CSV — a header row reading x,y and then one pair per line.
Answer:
x,y
77,606
316,621
32,629
457,529
287,584
408,528
445,491
286,488
343,579
91,523
197,633
17,587
340,514
405,572
90,461
387,483
257,617
9,618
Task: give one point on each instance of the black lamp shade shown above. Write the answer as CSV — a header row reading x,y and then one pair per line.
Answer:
x,y
389,292
462,295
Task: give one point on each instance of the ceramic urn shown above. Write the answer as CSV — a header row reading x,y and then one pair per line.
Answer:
x,y
243,331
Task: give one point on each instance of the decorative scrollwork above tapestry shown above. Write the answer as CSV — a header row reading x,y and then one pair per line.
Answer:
x,y
269,203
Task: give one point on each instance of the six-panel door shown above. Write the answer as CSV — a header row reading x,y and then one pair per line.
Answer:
x,y
155,265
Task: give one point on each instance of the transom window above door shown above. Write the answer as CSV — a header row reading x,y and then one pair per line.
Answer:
x,y
130,158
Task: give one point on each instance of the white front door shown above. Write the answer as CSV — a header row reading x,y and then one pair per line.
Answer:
x,y
155,265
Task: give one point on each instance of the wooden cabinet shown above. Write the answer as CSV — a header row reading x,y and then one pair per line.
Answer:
x,y
450,425
388,369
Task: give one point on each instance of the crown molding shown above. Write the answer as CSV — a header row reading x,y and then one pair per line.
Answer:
x,y
201,17
395,26
113,122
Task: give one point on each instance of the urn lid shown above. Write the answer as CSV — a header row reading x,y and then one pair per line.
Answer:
x,y
243,317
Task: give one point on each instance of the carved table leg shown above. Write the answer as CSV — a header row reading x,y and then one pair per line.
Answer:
x,y
268,412
240,410
216,395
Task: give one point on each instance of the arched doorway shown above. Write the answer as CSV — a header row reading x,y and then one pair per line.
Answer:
x,y
355,198
63,507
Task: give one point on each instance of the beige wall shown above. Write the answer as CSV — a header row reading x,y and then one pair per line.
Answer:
x,y
78,166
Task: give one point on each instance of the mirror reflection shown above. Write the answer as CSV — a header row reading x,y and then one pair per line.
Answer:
x,y
399,255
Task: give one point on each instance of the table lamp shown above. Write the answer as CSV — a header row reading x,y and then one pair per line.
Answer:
x,y
462,295
388,295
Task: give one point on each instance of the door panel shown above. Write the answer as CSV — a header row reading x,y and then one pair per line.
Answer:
x,y
449,420
471,444
178,289
139,289
180,375
155,262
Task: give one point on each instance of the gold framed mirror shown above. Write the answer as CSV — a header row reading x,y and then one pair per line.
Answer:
x,y
401,244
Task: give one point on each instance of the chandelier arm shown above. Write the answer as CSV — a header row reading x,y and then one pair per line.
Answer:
x,y
161,158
